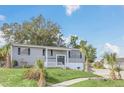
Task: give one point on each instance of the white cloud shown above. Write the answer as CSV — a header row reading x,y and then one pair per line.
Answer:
x,y
111,48
71,8
2,40
2,17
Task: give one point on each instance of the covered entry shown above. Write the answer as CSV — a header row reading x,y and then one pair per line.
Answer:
x,y
60,60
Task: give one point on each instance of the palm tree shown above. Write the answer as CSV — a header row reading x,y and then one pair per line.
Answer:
x,y
40,66
111,60
4,54
83,46
89,53
1,57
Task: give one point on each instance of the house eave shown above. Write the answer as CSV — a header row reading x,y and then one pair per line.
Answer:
x,y
48,47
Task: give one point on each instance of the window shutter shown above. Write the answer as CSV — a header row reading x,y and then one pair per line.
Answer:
x,y
19,49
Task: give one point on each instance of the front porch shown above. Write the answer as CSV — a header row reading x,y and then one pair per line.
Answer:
x,y
59,58
65,58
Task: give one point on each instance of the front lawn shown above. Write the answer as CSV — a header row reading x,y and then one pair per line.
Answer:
x,y
100,83
59,75
15,78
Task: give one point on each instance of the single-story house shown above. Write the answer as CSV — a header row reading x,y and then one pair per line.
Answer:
x,y
120,63
52,56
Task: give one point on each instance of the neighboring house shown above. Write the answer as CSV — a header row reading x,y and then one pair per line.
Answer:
x,y
120,63
52,56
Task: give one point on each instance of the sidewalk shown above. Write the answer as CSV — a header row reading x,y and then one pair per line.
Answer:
x,y
69,82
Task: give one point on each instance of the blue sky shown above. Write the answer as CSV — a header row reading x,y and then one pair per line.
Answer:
x,y
101,26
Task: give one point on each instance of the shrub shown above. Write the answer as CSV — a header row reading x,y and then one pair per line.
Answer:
x,y
15,63
2,63
98,65
40,64
27,66
32,74
117,69
37,73
67,68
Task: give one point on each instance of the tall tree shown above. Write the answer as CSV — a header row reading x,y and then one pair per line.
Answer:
x,y
60,41
89,52
73,41
38,31
111,60
5,55
83,45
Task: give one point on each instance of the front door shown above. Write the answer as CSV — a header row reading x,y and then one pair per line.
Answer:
x,y
60,60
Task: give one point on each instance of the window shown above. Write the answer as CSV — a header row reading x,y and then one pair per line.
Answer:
x,y
51,52
80,55
19,50
25,51
43,52
69,54
28,51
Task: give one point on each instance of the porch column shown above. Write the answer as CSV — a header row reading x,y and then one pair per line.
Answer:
x,y
46,56
67,59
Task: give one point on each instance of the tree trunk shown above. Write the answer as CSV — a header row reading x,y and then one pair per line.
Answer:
x,y
112,75
8,62
41,82
87,66
84,62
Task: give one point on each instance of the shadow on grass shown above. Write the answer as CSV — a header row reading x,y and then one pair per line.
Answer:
x,y
51,80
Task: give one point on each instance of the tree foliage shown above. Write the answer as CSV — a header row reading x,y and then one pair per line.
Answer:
x,y
38,31
111,59
73,41
89,53
5,55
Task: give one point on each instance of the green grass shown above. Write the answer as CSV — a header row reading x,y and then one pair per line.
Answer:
x,y
59,75
15,78
100,83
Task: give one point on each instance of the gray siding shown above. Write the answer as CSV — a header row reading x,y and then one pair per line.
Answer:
x,y
37,53
75,57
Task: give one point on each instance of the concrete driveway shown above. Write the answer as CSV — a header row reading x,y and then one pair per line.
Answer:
x,y
105,72
102,72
